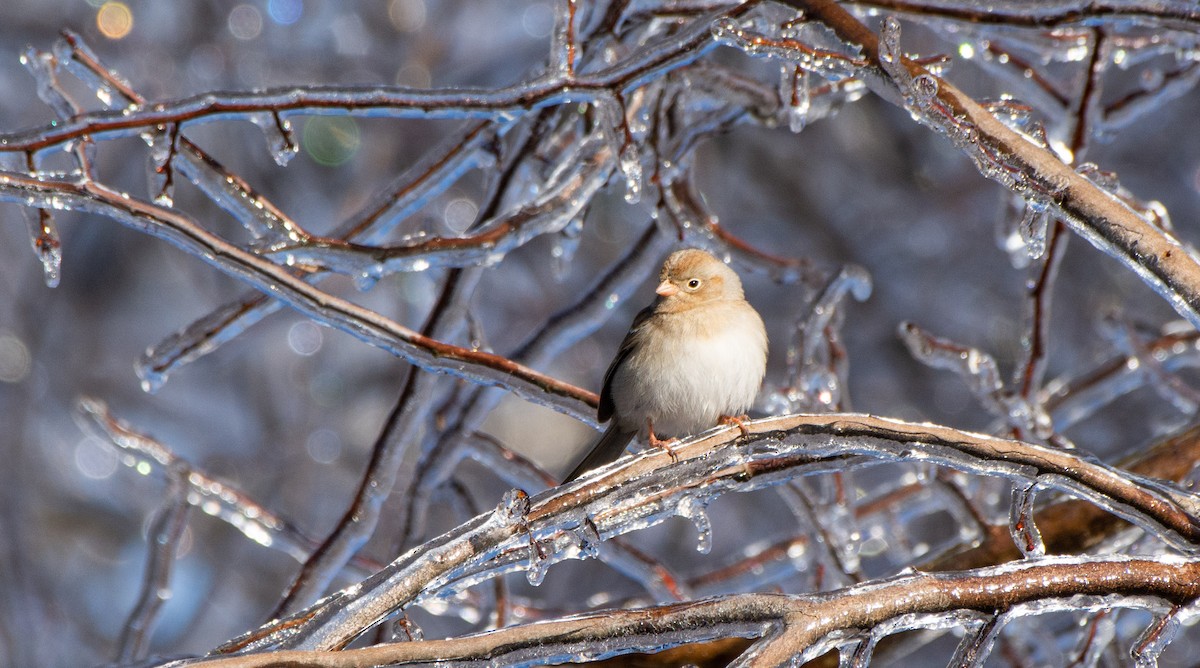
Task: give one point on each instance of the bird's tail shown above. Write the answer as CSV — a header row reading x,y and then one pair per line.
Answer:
x,y
606,450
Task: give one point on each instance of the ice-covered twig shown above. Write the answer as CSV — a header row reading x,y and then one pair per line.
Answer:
x,y
979,371
675,50
165,532
792,628
436,170
586,171
1039,14
816,360
367,325
1024,167
1073,398
1072,526
214,497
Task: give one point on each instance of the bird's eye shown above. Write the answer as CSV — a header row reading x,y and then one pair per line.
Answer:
x,y
693,284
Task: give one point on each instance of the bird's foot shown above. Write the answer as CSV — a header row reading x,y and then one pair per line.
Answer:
x,y
656,442
739,420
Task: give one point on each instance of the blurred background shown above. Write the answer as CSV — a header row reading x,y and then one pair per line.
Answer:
x,y
288,411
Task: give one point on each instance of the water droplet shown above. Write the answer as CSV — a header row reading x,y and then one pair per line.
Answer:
x,y
693,509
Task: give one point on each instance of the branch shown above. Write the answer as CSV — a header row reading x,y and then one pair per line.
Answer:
x,y
364,324
809,623
674,51
1022,166
566,521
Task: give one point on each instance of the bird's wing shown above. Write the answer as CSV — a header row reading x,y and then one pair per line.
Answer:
x,y
606,408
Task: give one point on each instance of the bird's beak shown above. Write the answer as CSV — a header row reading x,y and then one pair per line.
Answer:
x,y
666,288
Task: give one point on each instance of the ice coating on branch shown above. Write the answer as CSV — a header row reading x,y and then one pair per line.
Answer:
x,y
1025,532
43,236
161,170
693,509
580,173
976,646
816,361
1035,221
211,496
978,369
566,243
200,338
281,141
42,67
1019,117
1099,635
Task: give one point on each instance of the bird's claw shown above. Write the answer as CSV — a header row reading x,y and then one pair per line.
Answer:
x,y
661,444
739,420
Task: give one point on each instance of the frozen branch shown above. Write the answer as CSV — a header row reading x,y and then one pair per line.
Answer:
x,y
1002,154
791,628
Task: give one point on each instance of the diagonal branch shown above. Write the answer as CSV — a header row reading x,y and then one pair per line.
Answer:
x,y
1002,154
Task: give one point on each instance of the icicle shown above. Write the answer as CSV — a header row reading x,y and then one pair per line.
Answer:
x,y
1024,530
977,644
801,97
566,243
161,170
587,538
411,630
281,141
1099,630
631,167
693,509
43,235
857,653
891,57
1033,226
1154,640
513,510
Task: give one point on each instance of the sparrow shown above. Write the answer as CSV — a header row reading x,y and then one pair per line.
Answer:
x,y
693,358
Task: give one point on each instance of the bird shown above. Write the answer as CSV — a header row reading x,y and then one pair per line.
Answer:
x,y
694,358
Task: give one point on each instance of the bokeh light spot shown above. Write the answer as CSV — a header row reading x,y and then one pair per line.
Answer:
x,y
538,20
94,459
460,213
331,140
114,20
285,12
15,361
324,446
407,15
305,338
245,22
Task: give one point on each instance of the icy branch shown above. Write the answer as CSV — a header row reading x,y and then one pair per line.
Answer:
x,y
791,628
1020,165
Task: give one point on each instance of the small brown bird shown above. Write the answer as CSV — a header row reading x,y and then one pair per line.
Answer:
x,y
695,357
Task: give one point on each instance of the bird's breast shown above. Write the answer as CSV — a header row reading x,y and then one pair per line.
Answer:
x,y
684,372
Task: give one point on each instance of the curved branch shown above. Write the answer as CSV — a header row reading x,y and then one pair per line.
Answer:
x,y
677,50
643,490
806,621
278,281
